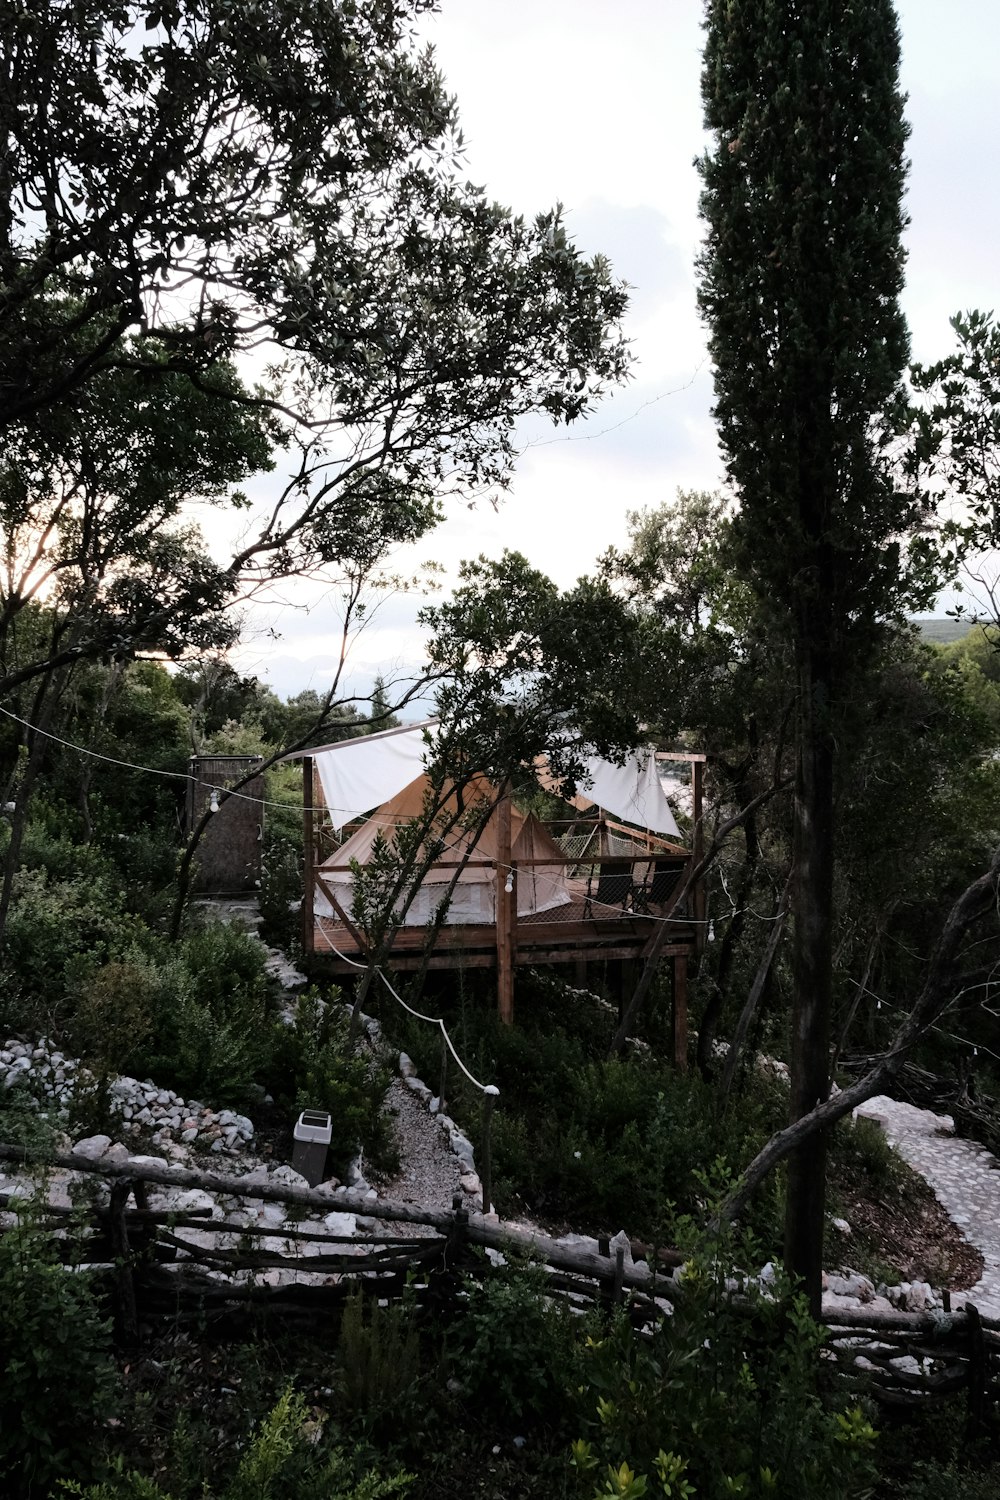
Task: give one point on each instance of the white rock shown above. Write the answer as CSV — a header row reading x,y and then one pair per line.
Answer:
x,y
621,1241
92,1147
336,1223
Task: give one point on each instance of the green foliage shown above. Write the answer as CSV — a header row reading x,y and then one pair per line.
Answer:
x,y
285,1460
313,1066
724,1400
510,1349
280,895
602,1143
58,1380
379,1356
58,932
862,1147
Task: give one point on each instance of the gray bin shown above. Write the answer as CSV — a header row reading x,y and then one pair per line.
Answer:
x,y
311,1141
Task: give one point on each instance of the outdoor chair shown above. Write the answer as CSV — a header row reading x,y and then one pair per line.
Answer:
x,y
614,889
656,885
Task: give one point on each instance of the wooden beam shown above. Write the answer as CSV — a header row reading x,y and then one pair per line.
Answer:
x,y
506,903
308,856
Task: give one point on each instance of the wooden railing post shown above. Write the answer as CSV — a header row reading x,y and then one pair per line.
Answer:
x,y
490,1096
308,857
121,1250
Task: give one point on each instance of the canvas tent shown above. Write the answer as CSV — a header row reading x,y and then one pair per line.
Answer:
x,y
361,774
539,887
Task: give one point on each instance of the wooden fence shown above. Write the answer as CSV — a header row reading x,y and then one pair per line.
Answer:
x,y
193,1269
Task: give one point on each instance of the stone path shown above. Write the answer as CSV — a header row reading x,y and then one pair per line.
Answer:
x,y
965,1179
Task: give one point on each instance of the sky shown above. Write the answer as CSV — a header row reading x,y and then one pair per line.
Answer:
x,y
595,104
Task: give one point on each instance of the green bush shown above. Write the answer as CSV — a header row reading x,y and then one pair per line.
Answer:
x,y
511,1350
379,1356
285,1460
59,932
312,1066
58,1380
280,890
724,1399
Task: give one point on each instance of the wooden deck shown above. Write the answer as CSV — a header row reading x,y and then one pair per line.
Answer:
x,y
580,931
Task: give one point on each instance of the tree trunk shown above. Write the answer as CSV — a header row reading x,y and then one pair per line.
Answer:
x,y
812,966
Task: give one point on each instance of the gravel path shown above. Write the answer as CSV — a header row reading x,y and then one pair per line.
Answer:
x,y
965,1180
429,1170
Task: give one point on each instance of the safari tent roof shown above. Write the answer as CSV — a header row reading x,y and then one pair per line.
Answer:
x,y
539,887
360,774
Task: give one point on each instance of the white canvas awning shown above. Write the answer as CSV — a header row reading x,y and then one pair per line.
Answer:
x,y
361,774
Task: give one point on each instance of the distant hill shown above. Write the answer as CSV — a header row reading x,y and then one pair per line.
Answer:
x,y
943,631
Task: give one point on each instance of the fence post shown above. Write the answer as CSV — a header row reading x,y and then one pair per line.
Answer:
x,y
490,1096
978,1375
617,1295
123,1260
444,1074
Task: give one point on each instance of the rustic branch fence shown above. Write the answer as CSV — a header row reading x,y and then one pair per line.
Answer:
x,y
192,1268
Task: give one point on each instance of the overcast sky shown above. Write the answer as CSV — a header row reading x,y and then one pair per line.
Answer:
x,y
595,104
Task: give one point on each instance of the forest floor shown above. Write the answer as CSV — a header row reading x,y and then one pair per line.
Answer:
x,y
902,1234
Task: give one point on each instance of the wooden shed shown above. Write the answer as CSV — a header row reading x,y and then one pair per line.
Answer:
x,y
229,854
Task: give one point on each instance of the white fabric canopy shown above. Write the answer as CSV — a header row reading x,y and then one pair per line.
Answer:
x,y
631,791
539,886
361,774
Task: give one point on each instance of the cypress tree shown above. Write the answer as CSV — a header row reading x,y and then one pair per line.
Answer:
x,y
801,272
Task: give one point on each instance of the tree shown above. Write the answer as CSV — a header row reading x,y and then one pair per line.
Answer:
x,y
196,184
800,280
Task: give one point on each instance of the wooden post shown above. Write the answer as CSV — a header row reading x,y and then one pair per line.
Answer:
x,y
308,857
506,903
617,1295
680,1012
697,853
444,1073
492,1093
121,1250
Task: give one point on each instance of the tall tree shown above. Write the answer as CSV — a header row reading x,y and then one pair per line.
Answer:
x,y
192,187
800,278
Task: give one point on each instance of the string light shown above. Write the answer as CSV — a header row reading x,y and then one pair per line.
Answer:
x,y
213,802
508,884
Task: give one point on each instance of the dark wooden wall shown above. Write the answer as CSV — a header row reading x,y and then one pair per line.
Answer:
x,y
229,854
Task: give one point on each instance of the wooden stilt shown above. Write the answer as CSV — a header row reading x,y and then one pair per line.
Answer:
x,y
506,907
309,856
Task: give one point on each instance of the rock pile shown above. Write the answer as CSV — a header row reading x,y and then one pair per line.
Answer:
x,y
52,1081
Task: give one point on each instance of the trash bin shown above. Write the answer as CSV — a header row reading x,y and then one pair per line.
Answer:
x,y
312,1134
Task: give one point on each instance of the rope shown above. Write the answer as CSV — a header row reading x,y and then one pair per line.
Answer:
x,y
130,765
484,1088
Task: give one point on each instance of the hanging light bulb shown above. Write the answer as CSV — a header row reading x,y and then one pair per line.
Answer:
x,y
508,884
711,932
213,801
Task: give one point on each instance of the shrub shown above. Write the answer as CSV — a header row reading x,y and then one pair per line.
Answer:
x,y
312,1066
379,1358
58,1378
285,1460
58,932
511,1349
722,1401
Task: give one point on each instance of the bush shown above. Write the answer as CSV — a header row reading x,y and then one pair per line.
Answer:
x,y
312,1066
58,932
722,1401
58,1378
511,1350
285,1460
